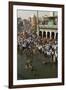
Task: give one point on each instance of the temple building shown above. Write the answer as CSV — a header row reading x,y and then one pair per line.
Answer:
x,y
48,26
45,24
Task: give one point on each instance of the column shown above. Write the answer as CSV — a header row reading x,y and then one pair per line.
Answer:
x,y
54,35
46,34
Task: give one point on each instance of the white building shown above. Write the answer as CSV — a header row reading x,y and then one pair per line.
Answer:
x,y
48,28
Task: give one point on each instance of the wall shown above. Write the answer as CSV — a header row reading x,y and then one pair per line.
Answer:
x,y
4,44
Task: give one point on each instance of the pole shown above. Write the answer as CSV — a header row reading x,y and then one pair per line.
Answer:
x,y
37,24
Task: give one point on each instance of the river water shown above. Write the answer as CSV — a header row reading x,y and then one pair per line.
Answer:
x,y
39,68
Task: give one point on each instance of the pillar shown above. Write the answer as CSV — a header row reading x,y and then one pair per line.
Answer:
x,y
46,34
54,35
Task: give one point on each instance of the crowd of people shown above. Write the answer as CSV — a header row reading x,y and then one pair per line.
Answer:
x,y
31,43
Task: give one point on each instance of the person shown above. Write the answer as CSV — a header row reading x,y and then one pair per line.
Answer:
x,y
53,55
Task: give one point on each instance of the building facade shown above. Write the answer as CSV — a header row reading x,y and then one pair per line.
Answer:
x,y
48,26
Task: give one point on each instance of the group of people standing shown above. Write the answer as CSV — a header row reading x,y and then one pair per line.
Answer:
x,y
33,44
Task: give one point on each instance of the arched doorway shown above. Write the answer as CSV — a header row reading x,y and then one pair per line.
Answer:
x,y
48,34
56,36
52,35
44,34
40,33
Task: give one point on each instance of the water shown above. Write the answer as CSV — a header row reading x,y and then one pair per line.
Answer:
x,y
39,69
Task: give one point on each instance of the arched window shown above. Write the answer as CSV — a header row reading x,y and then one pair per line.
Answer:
x,y
40,33
44,34
48,34
52,35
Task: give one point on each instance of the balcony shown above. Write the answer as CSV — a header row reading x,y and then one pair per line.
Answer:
x,y
48,27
